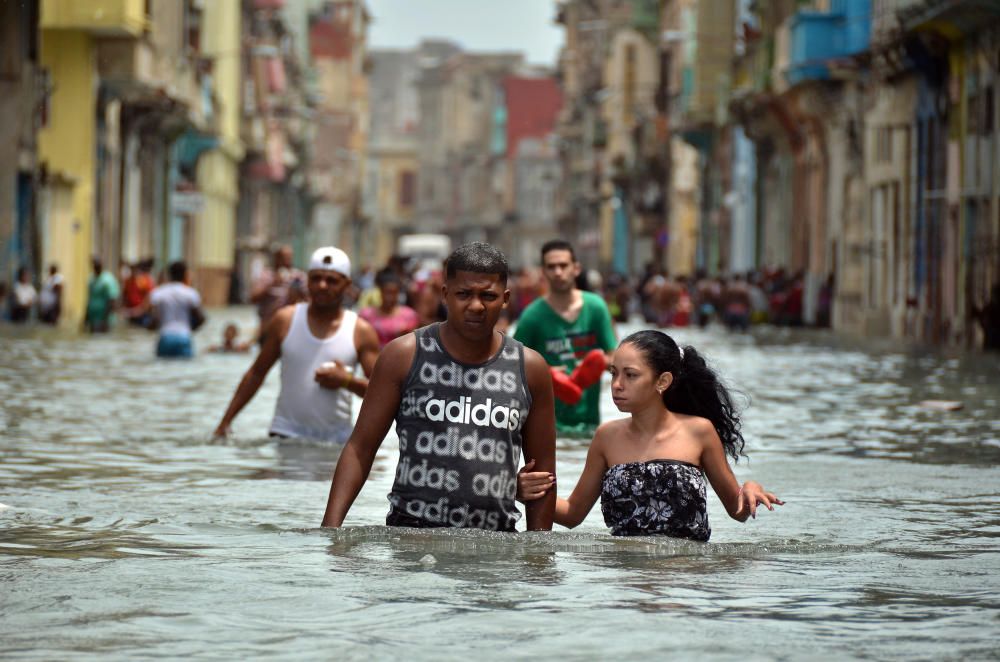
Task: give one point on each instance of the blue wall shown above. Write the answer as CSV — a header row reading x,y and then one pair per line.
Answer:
x,y
817,37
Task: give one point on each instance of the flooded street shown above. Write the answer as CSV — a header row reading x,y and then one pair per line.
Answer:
x,y
125,532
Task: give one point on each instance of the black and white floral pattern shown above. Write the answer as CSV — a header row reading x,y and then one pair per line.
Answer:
x,y
658,497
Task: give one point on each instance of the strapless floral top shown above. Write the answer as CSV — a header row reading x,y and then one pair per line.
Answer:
x,y
657,497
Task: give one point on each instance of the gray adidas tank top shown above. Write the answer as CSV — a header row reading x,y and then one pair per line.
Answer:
x,y
459,428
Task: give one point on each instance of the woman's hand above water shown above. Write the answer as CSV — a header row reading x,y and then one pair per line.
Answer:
x,y
532,485
753,494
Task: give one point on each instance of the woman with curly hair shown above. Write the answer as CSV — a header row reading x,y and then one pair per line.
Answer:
x,y
649,470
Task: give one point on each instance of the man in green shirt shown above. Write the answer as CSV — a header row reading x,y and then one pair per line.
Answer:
x,y
102,295
572,330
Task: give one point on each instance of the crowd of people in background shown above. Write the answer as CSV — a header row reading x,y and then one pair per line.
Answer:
x,y
769,296
405,294
414,300
737,301
168,305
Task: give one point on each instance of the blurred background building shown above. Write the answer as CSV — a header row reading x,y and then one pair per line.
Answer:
x,y
849,142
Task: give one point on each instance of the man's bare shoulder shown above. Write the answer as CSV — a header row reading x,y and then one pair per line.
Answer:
x,y
534,360
285,313
535,367
281,321
404,343
364,331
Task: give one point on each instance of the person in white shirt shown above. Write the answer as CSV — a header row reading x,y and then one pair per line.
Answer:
x,y
319,343
22,297
50,299
176,310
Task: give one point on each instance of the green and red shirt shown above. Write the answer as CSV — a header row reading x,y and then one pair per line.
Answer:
x,y
564,343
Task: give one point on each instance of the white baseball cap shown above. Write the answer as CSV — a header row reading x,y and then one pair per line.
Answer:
x,y
330,258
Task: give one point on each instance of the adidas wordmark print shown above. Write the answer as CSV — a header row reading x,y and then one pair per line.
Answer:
x,y
459,430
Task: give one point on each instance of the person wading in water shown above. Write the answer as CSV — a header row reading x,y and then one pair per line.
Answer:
x,y
319,343
466,400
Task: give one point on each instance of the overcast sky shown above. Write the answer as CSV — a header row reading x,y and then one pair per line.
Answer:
x,y
507,25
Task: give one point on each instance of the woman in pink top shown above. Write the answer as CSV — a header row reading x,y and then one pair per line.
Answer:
x,y
390,319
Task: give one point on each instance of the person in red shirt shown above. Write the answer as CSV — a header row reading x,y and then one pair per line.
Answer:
x,y
135,293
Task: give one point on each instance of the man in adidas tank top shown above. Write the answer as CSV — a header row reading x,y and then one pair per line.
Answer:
x,y
467,401
319,344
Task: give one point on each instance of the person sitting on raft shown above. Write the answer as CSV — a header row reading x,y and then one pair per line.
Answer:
x,y
649,469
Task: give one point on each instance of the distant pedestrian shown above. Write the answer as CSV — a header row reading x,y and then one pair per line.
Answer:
x,y
102,295
277,287
707,292
647,288
759,308
22,297
135,294
176,312
229,343
390,319
736,304
618,296
50,299
683,309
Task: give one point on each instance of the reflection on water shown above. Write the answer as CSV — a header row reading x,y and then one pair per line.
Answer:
x,y
125,531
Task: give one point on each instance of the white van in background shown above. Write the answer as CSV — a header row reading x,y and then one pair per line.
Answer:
x,y
427,250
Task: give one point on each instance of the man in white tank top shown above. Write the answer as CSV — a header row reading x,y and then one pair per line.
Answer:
x,y
319,343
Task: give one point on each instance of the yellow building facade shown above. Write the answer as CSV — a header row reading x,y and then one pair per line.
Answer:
x,y
219,169
66,151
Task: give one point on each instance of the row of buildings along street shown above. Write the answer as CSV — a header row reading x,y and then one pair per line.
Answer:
x,y
179,129
849,143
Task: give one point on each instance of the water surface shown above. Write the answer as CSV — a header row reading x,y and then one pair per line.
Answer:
x,y
124,532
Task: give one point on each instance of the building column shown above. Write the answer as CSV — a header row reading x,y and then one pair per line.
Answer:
x,y
215,231
131,200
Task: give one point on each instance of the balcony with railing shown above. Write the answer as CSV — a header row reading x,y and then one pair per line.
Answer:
x,y
819,38
949,17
